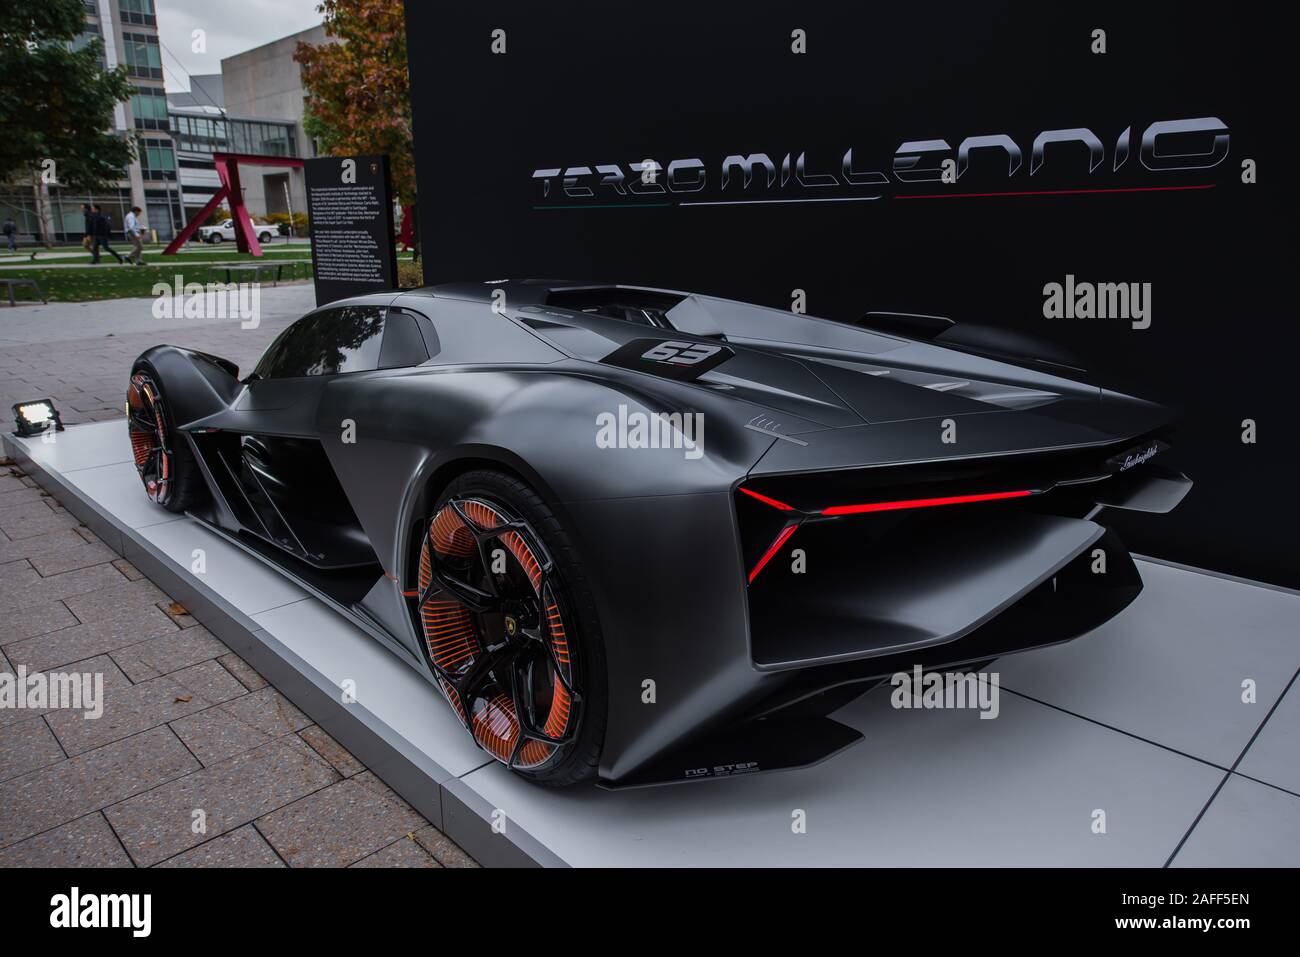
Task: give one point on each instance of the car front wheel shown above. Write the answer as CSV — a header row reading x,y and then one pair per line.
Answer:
x,y
162,456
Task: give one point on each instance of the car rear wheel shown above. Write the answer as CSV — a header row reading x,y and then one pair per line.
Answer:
x,y
510,629
264,237
162,456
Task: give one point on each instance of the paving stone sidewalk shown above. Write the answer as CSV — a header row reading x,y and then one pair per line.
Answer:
x,y
190,733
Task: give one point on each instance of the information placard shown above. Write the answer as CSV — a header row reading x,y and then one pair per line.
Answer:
x,y
349,201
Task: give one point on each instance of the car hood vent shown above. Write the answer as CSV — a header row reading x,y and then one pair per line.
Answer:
x,y
848,380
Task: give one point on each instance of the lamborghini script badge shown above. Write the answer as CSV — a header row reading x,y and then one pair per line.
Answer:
x,y
1137,455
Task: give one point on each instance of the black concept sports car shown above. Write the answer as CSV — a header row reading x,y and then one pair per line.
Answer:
x,y
641,536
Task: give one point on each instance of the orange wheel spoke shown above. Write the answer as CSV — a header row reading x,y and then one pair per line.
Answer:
x,y
503,660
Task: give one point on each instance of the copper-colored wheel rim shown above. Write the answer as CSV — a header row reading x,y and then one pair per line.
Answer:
x,y
148,429
494,623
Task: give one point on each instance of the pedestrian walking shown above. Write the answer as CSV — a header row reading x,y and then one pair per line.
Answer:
x,y
101,232
135,236
10,229
88,232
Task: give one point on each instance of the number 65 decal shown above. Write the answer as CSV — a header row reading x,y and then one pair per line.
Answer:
x,y
681,353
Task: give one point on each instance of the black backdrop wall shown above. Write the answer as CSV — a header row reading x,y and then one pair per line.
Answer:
x,y
502,141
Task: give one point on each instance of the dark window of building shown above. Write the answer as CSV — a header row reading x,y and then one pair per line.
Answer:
x,y
208,134
149,109
343,339
142,56
90,34
261,138
157,159
138,11
199,134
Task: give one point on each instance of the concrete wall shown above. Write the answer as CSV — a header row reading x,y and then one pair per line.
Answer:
x,y
206,90
260,201
266,83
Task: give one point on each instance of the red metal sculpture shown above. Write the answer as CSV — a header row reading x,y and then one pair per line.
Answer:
x,y
228,171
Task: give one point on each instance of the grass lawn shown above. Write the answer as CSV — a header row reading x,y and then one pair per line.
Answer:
x,y
74,280
91,283
205,253
226,251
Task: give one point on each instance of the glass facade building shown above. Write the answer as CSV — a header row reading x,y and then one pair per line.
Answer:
x,y
173,175
128,34
218,134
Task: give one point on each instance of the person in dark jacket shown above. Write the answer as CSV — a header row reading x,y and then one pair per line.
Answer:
x,y
10,229
101,232
88,232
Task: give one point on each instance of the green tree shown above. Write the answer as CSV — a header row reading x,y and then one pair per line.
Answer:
x,y
56,103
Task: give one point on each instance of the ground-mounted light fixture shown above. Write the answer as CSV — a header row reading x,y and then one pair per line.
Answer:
x,y
37,416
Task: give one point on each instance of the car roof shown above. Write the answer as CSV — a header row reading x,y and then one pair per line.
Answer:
x,y
525,291
546,306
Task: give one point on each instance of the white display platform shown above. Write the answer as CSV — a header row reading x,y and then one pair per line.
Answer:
x,y
1143,719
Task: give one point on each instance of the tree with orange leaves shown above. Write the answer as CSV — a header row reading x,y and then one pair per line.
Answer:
x,y
358,91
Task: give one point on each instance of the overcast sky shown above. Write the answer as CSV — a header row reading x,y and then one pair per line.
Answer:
x,y
232,26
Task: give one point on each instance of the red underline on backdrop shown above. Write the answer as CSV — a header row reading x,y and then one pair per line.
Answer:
x,y
1059,192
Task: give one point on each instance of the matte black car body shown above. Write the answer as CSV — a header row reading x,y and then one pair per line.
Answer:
x,y
944,499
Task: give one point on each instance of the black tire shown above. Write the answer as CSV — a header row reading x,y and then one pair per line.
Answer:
x,y
264,238
181,486
215,238
578,760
